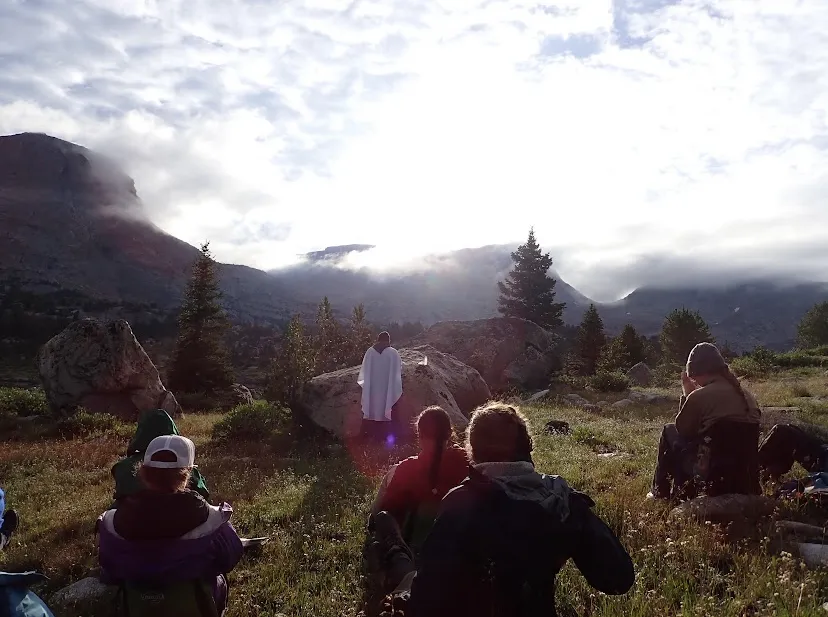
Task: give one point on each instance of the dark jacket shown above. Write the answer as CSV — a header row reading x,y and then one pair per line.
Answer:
x,y
168,538
153,423
500,540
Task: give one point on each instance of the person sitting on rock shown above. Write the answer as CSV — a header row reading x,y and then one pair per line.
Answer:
x,y
413,488
503,535
8,522
711,396
167,534
152,423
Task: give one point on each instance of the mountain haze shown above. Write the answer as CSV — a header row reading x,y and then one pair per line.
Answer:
x,y
70,219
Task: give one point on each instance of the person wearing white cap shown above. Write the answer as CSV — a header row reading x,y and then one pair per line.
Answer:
x,y
166,532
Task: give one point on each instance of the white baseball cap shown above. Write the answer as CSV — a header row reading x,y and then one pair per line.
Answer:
x,y
181,447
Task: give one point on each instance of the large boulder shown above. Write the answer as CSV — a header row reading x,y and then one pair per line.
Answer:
x,y
506,351
103,368
334,400
640,375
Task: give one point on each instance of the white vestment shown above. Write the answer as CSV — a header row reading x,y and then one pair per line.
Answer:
x,y
381,380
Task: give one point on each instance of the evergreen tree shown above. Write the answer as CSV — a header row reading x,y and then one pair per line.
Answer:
x,y
813,329
624,351
591,341
331,344
360,338
681,331
529,292
200,361
292,367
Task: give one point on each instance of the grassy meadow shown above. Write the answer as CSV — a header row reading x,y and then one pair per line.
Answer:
x,y
312,495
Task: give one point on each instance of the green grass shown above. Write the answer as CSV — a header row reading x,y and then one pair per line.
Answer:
x,y
313,500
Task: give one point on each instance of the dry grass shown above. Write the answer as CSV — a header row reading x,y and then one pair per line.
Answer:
x,y
313,499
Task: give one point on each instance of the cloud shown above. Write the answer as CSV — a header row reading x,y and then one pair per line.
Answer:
x,y
628,132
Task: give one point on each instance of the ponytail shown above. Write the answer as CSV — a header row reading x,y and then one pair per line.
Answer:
x,y
435,424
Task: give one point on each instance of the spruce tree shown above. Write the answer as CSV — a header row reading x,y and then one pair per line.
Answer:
x,y
359,337
624,351
591,341
292,366
200,362
529,292
813,329
331,344
681,331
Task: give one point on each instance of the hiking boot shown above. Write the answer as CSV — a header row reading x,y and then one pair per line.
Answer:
x,y
10,523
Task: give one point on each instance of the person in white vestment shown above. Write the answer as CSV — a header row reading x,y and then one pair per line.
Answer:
x,y
381,380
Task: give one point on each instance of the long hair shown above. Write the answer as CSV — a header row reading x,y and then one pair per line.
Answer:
x,y
164,480
498,432
731,378
434,423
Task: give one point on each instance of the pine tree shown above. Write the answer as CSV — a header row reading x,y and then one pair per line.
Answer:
x,y
624,351
331,344
529,292
360,338
813,329
292,367
681,331
591,341
200,362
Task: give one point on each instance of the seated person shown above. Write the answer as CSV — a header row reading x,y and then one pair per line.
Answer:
x,y
412,489
711,394
8,522
167,533
503,535
153,423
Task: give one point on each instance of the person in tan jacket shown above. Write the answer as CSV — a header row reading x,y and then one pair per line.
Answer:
x,y
710,393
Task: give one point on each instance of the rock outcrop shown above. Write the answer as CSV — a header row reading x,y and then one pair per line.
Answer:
x,y
640,375
334,400
103,368
506,351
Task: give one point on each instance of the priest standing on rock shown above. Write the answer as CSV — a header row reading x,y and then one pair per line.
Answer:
x,y
381,380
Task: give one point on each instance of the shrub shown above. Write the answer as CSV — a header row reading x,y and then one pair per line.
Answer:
x,y
747,366
800,390
196,401
764,357
253,421
604,381
806,358
82,423
22,402
666,375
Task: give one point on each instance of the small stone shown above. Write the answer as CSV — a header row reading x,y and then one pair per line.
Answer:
x,y
623,403
86,589
537,396
557,427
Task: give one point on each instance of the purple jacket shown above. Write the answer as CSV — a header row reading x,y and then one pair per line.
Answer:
x,y
206,552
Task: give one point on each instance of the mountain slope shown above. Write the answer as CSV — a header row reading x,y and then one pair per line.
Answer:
x,y
72,225
70,219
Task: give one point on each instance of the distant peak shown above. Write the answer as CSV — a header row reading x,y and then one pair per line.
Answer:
x,y
335,253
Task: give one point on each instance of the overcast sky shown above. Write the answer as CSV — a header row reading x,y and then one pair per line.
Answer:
x,y
630,133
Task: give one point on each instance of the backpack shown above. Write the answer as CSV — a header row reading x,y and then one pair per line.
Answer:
x,y
183,599
17,600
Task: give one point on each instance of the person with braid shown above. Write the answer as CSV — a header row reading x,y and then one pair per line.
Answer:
x,y
712,398
412,489
503,535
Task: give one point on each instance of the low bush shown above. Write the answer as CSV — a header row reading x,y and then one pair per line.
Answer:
x,y
82,424
666,375
197,401
23,402
604,381
257,420
795,359
748,366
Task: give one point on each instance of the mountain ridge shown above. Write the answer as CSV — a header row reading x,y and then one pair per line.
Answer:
x,y
70,219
